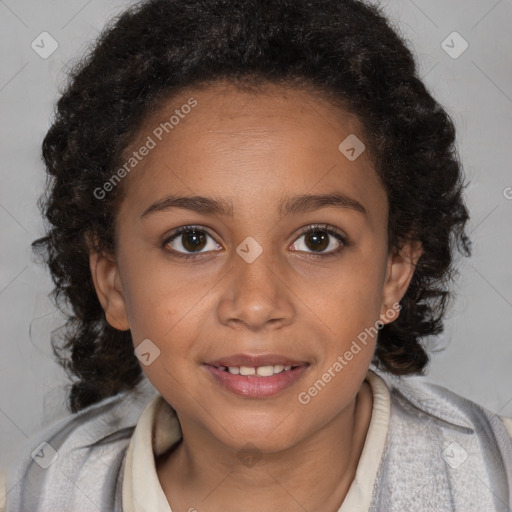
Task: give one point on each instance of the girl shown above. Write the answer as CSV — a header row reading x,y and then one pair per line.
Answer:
x,y
253,212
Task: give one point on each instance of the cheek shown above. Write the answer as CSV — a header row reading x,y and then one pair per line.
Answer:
x,y
350,296
158,294
161,314
169,308
165,309
350,306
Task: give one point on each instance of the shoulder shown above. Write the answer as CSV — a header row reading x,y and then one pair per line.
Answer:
x,y
88,445
423,399
443,450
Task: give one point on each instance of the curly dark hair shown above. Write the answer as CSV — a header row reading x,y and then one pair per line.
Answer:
x,y
344,50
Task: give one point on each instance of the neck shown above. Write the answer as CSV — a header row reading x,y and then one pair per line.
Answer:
x,y
314,474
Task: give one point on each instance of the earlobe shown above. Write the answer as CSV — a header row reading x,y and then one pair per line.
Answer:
x,y
400,270
105,276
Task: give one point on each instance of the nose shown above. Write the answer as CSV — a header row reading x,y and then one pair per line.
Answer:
x,y
256,295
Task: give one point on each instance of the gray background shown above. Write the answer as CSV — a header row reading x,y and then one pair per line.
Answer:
x,y
475,88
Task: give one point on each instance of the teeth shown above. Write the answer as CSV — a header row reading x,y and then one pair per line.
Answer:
x,y
265,371
260,371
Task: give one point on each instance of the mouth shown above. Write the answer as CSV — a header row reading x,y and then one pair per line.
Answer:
x,y
259,371
256,376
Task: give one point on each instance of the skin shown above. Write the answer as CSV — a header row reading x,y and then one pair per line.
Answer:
x,y
254,149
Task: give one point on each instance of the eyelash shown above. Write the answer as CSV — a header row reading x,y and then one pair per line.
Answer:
x,y
314,227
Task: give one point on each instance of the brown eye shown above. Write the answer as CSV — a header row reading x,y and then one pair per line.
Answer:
x,y
317,240
193,240
321,240
188,240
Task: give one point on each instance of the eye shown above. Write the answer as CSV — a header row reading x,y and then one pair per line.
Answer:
x,y
190,241
187,241
319,238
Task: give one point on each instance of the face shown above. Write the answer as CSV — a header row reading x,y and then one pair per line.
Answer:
x,y
285,263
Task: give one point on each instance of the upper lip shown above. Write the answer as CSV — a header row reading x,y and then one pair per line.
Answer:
x,y
251,360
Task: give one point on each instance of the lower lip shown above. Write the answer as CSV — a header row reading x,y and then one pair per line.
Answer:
x,y
253,386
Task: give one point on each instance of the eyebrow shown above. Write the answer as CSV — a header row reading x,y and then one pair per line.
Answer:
x,y
289,206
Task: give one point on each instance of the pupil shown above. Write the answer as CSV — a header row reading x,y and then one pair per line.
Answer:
x,y
193,240
319,241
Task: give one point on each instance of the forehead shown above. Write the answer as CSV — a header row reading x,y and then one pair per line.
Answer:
x,y
252,144
271,109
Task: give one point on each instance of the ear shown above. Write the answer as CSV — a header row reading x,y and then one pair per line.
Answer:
x,y
105,276
400,270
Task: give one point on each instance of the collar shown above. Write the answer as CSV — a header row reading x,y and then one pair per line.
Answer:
x,y
431,401
158,429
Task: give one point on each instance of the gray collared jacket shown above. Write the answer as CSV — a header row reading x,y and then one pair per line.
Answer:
x,y
442,453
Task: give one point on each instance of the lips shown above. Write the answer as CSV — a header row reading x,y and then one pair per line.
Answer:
x,y
242,374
